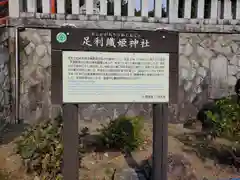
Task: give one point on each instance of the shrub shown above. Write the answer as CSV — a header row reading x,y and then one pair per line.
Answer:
x,y
123,133
227,123
41,149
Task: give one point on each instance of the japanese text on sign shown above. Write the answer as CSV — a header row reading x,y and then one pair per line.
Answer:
x,y
115,77
114,40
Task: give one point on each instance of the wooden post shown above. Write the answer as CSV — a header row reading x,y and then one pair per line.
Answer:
x,y
14,8
214,9
32,6
200,9
131,8
117,7
173,11
187,9
144,8
75,6
70,142
158,8
160,141
46,4
61,6
238,9
53,7
103,7
89,6
227,12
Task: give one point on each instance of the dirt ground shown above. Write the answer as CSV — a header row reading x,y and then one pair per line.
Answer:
x,y
100,165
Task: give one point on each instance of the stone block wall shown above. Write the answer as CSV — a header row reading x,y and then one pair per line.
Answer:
x,y
209,66
35,75
5,99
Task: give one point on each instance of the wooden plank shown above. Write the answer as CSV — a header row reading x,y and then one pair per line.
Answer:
x,y
158,8
187,9
31,6
75,6
214,9
227,14
46,6
200,9
14,8
131,7
103,7
173,11
61,6
144,8
89,6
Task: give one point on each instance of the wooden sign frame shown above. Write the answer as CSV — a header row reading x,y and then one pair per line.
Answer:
x,y
161,42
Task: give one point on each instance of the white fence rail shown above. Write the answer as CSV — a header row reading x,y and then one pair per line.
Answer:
x,y
173,10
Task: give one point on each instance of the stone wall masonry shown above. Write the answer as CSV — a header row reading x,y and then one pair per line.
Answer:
x,y
209,66
5,100
35,75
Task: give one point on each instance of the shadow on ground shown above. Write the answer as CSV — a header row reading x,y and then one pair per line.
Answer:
x,y
206,149
92,143
142,170
11,132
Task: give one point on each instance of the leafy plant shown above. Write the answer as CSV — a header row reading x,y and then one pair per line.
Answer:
x,y
41,149
124,133
227,123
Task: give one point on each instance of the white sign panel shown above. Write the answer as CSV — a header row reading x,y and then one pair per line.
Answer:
x,y
114,77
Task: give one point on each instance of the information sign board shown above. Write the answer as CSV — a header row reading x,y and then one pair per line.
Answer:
x,y
98,77
114,66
